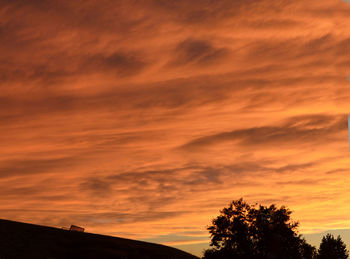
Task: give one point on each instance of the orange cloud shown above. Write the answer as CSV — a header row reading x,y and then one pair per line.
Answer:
x,y
144,119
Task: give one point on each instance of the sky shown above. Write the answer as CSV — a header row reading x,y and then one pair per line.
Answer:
x,y
142,119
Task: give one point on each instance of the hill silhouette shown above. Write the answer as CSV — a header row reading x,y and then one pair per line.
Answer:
x,y
22,240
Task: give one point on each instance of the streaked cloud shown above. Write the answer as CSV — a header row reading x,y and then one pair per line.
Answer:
x,y
144,119
296,131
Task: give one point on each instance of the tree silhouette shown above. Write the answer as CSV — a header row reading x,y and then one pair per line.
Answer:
x,y
332,248
243,231
307,251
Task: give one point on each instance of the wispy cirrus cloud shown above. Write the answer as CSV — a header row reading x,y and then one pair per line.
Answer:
x,y
300,130
153,115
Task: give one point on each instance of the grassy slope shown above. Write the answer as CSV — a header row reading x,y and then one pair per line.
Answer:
x,y
21,240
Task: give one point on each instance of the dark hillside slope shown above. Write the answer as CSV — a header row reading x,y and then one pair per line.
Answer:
x,y
21,240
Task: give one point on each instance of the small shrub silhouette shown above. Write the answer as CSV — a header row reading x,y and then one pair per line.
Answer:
x,y
331,247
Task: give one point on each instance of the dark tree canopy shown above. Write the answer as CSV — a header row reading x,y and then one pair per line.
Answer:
x,y
331,247
256,232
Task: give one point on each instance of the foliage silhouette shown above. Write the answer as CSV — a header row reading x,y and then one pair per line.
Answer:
x,y
308,251
244,231
331,247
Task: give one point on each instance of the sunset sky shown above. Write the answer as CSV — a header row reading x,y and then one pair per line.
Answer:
x,y
142,119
